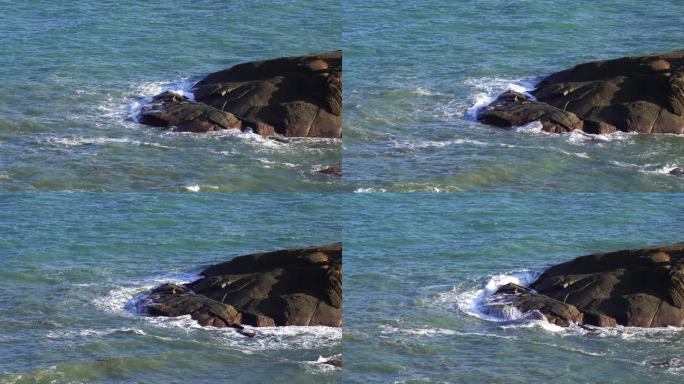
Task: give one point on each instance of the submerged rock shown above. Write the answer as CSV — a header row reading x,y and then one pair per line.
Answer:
x,y
332,171
632,94
335,362
641,287
298,96
671,363
301,286
679,171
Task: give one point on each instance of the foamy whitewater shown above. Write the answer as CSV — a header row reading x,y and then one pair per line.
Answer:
x,y
410,106
127,301
423,268
74,280
74,127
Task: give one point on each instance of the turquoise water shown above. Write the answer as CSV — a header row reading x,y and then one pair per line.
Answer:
x,y
415,265
74,264
72,73
414,71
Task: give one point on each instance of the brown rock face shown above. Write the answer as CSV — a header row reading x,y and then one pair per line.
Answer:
x,y
632,94
635,287
300,286
299,96
170,110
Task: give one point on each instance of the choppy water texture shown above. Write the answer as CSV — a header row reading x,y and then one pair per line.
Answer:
x,y
73,266
414,72
417,266
72,73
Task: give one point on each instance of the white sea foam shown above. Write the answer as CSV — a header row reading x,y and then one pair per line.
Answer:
x,y
655,335
145,91
478,302
578,137
404,144
427,188
387,330
270,163
531,127
125,301
80,141
664,170
369,190
474,302
656,169
266,338
77,333
321,365
420,91
486,90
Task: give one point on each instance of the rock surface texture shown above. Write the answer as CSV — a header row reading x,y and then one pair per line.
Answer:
x,y
300,286
642,94
635,287
299,96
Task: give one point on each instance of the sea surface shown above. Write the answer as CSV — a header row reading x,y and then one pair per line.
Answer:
x,y
75,265
416,72
74,73
417,267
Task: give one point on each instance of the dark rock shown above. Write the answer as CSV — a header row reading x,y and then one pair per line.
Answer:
x,y
635,287
335,362
679,171
515,109
332,171
632,94
300,286
672,363
555,311
171,110
299,96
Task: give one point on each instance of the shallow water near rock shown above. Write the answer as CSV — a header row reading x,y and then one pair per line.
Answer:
x,y
74,74
418,268
417,72
73,278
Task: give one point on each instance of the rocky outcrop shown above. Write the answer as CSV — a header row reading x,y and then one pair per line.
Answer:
x,y
299,96
635,287
632,94
300,286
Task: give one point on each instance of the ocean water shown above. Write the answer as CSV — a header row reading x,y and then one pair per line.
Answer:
x,y
418,265
73,74
74,266
417,71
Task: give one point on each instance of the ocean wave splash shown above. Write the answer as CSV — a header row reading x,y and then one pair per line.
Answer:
x,y
126,301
